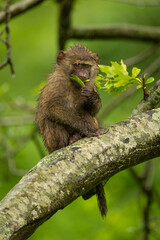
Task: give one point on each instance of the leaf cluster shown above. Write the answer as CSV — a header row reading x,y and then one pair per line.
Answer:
x,y
115,79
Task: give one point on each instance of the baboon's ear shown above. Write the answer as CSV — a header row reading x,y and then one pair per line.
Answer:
x,y
60,56
96,57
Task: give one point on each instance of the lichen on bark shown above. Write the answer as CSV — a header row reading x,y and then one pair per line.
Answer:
x,y
68,173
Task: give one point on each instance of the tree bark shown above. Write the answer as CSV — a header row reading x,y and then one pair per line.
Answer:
x,y
70,172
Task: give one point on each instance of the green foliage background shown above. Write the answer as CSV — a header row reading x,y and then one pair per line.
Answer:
x,y
34,50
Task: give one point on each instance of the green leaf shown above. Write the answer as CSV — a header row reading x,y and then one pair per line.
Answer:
x,y
77,80
119,69
139,86
104,68
149,80
144,75
120,83
116,79
100,78
123,65
135,72
98,85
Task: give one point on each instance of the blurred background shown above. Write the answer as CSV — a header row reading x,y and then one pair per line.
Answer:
x,y
36,35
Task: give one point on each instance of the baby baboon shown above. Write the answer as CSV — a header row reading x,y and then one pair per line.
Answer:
x,y
66,112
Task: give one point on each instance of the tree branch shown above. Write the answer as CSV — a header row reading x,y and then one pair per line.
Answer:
x,y
19,7
142,55
8,44
130,31
138,3
6,41
61,177
64,21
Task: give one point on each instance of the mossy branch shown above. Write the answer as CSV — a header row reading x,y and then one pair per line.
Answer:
x,y
63,176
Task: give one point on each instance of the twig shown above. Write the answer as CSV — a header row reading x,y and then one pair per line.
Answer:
x,y
146,214
151,102
145,183
145,94
7,39
149,192
65,7
4,64
3,41
8,15
144,180
20,7
2,31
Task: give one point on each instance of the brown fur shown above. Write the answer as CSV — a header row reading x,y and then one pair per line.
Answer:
x,y
65,110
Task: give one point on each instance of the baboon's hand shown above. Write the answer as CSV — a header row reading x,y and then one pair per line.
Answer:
x,y
87,91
